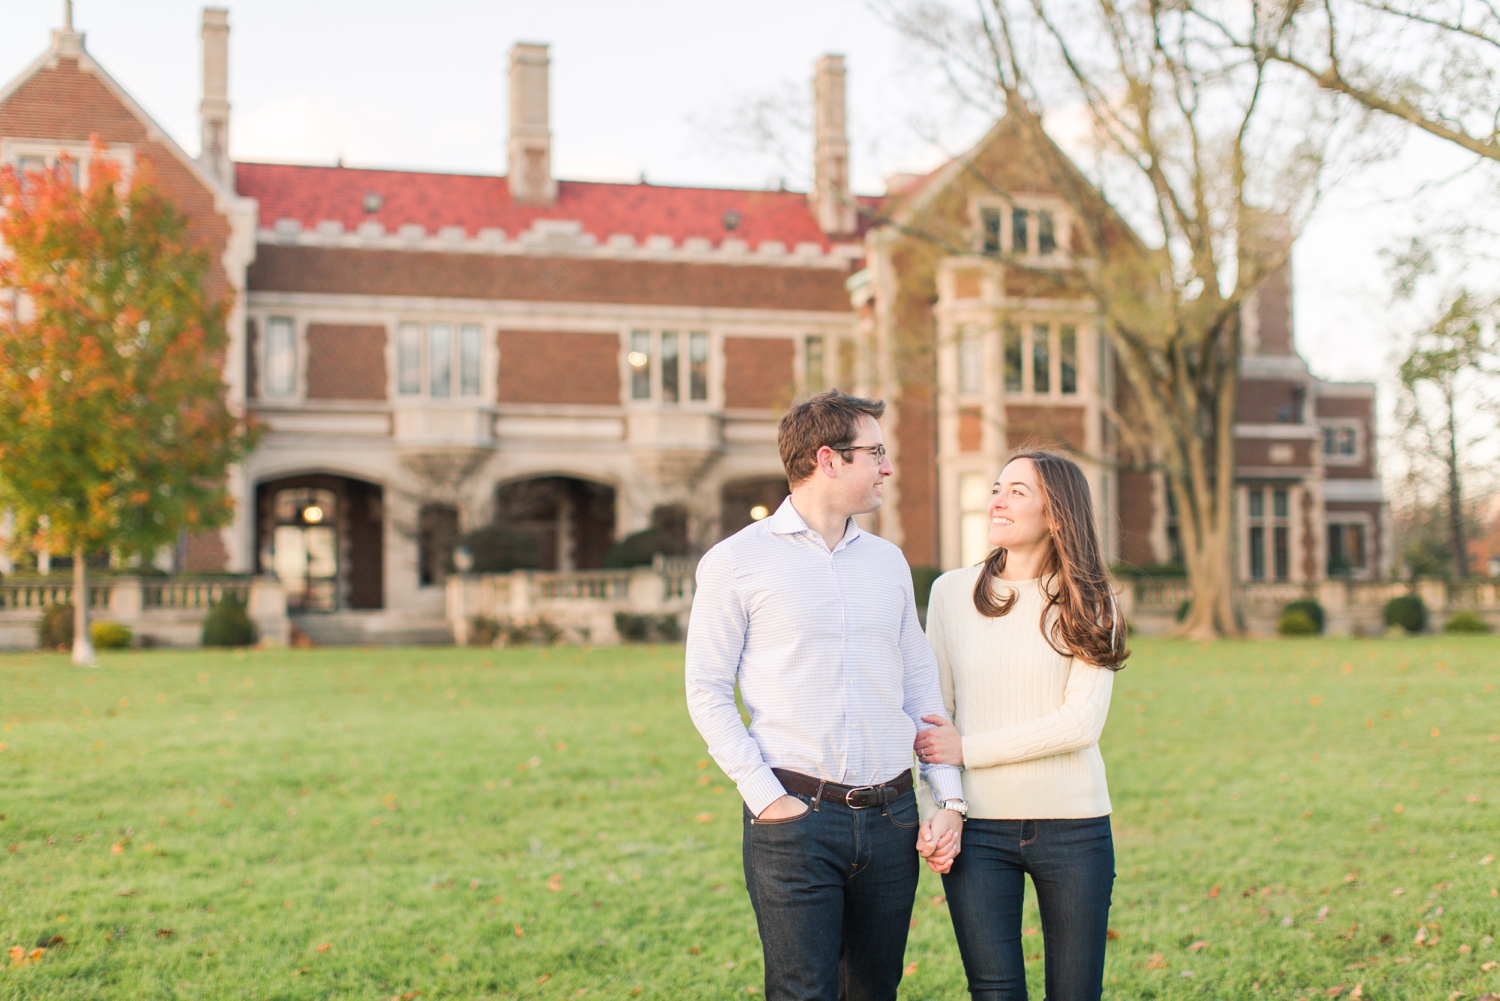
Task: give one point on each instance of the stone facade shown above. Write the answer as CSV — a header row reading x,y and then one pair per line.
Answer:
x,y
562,364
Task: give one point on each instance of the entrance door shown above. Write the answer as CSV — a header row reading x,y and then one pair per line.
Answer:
x,y
305,548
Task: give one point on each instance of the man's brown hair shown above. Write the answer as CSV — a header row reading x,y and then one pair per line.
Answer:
x,y
828,418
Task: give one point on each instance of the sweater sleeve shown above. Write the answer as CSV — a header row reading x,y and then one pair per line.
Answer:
x,y
938,640
1076,724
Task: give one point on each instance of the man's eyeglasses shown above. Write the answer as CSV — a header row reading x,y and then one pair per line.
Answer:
x,y
878,451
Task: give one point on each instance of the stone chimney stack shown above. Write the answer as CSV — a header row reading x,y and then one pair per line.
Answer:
x,y
831,200
530,149
214,110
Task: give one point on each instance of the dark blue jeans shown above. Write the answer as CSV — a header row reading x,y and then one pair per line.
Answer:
x,y
1072,866
832,892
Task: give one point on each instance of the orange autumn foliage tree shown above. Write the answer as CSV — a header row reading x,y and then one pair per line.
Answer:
x,y
114,431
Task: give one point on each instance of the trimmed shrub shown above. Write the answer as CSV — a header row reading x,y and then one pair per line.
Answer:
x,y
483,630
1313,610
55,631
228,624
1465,622
1407,611
1296,622
110,635
646,628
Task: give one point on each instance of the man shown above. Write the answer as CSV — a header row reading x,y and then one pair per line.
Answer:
x,y
817,621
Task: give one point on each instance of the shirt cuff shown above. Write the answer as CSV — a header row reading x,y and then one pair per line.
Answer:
x,y
760,789
945,782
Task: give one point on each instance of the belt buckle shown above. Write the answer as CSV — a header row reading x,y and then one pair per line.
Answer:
x,y
848,797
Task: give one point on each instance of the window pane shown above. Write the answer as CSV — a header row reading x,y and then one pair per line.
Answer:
x,y
1354,546
1041,359
698,366
281,357
1257,504
1347,441
469,354
1283,552
816,378
1067,352
1257,552
989,220
1046,234
440,360
973,521
970,362
1020,243
670,366
640,364
409,359
1328,441
1279,503
1012,359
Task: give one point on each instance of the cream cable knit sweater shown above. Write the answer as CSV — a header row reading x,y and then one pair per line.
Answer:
x,y
1030,718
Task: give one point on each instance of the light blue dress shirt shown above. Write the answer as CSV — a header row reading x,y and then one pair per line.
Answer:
x,y
829,655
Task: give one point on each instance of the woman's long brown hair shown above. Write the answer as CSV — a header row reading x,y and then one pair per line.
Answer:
x,y
1088,624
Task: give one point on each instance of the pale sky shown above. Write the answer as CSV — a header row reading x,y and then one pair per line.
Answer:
x,y
424,85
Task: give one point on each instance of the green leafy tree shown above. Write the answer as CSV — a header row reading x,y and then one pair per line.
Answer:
x,y
114,430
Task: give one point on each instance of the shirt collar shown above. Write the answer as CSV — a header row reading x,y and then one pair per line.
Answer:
x,y
786,521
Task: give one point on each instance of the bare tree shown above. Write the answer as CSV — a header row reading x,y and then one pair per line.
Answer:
x,y
1445,383
1204,153
1431,64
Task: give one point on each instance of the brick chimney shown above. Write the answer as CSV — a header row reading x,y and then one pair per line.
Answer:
x,y
214,109
830,197
530,149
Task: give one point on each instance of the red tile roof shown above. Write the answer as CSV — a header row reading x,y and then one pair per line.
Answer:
x,y
314,194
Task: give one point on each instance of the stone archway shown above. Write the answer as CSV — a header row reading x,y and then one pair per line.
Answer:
x,y
546,523
324,536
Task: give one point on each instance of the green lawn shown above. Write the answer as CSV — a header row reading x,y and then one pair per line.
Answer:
x,y
542,823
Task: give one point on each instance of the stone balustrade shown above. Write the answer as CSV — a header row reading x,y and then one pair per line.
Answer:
x,y
1350,608
581,603
161,611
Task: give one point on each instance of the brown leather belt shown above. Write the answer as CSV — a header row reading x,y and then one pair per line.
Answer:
x,y
854,797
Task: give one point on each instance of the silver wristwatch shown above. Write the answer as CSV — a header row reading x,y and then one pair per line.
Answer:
x,y
958,806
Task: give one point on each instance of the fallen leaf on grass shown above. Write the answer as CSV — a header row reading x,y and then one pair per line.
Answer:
x,y
519,931
636,991
1156,961
1487,860
408,996
554,882
1112,935
298,973
324,947
1487,967
1334,992
1200,944
117,849
124,893
1397,892
1358,992
1215,891
910,969
544,978
1029,931
704,818
1491,996
165,933
1322,913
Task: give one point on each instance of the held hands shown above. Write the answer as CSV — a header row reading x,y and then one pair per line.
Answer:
x,y
940,745
938,841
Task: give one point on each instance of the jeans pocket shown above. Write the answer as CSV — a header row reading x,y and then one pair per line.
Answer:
x,y
904,813
786,820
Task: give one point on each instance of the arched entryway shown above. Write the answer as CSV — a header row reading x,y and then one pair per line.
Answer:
x,y
746,501
323,537
546,523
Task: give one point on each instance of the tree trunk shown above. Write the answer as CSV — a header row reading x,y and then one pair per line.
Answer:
x,y
83,643
1455,497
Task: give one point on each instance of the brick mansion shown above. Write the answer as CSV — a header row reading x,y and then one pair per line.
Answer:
x,y
538,370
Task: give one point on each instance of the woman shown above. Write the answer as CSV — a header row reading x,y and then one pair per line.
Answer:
x,y
1027,644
